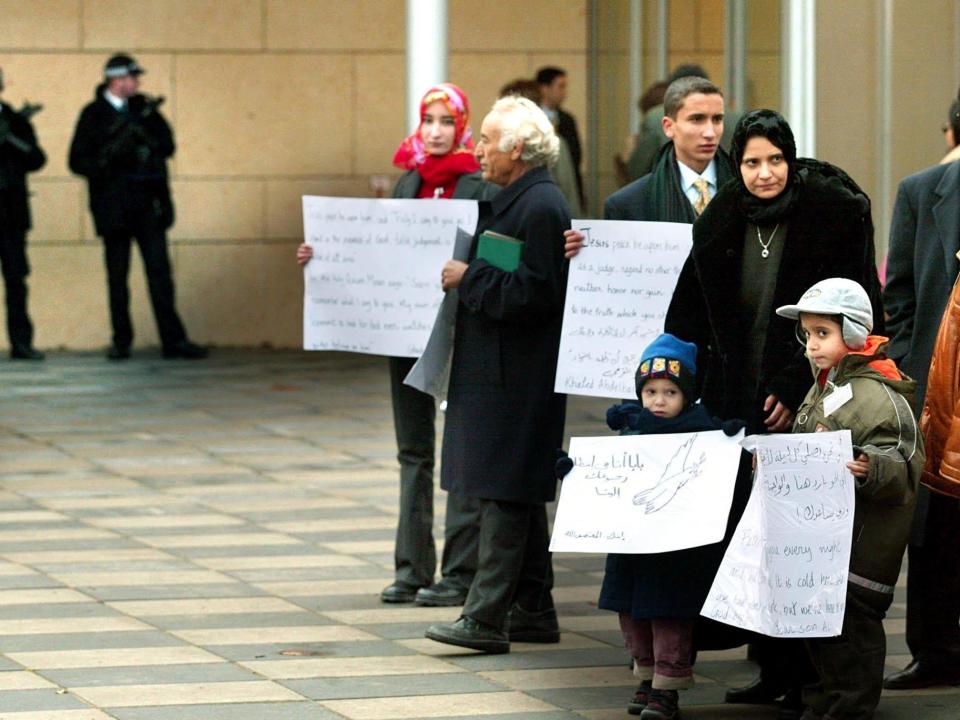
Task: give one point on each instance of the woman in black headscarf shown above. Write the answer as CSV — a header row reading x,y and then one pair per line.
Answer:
x,y
782,224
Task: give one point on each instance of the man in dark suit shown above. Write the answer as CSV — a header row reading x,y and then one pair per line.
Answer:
x,y
553,92
921,269
19,154
121,145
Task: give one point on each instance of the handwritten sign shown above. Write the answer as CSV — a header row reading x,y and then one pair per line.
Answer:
x,y
618,293
646,493
373,285
785,571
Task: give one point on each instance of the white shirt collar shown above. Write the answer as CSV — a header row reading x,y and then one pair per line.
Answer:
x,y
688,176
118,103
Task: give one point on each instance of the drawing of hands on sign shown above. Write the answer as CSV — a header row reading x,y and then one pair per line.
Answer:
x,y
678,472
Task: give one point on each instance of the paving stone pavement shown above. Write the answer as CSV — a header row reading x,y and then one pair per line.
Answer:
x,y
204,540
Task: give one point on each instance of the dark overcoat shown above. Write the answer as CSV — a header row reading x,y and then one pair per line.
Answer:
x,y
921,266
667,584
504,422
15,163
123,156
825,238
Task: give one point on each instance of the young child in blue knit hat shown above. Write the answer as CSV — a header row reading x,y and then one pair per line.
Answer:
x,y
658,596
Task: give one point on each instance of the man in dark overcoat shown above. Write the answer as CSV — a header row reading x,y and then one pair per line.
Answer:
x,y
20,153
504,421
921,269
121,145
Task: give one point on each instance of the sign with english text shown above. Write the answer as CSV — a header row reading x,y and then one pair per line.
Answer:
x,y
373,284
618,292
785,571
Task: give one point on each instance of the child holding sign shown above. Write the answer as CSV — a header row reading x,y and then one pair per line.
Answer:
x,y
658,596
857,388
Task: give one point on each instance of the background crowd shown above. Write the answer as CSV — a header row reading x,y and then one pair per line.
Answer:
x,y
767,225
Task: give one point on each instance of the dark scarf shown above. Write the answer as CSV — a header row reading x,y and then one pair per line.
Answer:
x,y
633,419
772,126
666,188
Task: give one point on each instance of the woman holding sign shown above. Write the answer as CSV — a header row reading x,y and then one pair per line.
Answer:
x,y
504,422
439,163
783,224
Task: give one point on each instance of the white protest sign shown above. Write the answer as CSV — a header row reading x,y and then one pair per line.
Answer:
x,y
785,571
618,293
373,285
646,493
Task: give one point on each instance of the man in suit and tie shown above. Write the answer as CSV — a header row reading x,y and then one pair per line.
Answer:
x,y
921,269
689,168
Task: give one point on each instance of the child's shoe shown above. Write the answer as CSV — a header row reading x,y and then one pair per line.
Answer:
x,y
639,700
661,705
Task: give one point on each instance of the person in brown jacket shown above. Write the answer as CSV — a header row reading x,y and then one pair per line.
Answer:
x,y
940,421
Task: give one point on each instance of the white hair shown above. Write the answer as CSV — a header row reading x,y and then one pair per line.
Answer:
x,y
521,121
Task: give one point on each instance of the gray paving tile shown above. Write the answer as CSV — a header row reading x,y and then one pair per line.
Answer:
x,y
87,641
593,657
169,592
361,648
149,674
390,686
237,620
34,700
239,711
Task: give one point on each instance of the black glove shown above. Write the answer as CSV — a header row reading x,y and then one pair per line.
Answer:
x,y
732,427
563,465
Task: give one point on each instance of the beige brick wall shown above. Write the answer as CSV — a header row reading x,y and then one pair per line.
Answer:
x,y
269,100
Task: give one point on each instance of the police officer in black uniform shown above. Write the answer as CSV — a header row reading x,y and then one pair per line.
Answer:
x,y
19,154
121,145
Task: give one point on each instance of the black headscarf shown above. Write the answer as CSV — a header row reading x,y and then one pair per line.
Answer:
x,y
772,126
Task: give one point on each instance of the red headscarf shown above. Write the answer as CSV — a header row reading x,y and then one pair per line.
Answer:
x,y
440,172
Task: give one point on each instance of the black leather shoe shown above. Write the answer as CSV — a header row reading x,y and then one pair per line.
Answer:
x,y
399,592
758,692
469,633
538,627
118,352
442,594
185,350
25,352
922,674
791,707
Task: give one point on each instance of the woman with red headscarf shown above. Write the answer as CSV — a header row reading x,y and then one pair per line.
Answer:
x,y
439,163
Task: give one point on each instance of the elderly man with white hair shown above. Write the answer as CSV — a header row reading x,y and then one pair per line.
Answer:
x,y
503,421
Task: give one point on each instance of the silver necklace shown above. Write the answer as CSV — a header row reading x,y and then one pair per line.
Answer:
x,y
765,253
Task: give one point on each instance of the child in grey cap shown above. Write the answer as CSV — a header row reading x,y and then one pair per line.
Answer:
x,y
859,389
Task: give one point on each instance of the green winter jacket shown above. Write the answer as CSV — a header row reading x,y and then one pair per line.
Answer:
x,y
881,422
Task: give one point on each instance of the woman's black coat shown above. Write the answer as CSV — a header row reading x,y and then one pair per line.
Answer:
x,y
829,235
504,422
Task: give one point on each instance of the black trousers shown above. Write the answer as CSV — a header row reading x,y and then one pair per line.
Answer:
x,y
850,666
142,223
933,582
415,553
515,565
13,260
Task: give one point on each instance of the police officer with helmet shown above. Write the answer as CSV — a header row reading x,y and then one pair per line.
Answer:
x,y
121,145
